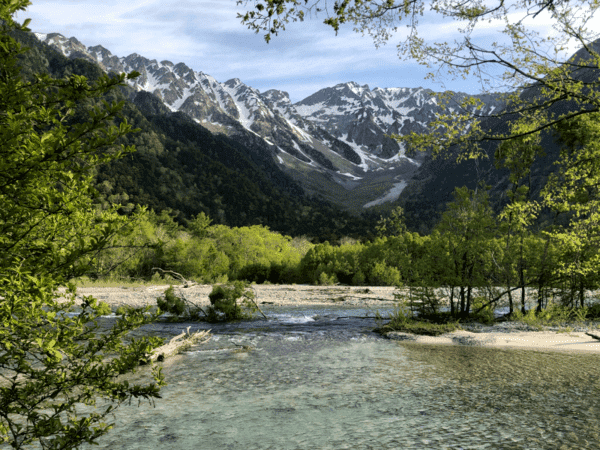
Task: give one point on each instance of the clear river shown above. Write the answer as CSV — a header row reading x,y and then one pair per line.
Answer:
x,y
321,379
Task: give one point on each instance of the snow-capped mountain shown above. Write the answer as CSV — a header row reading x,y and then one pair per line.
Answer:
x,y
364,117
333,142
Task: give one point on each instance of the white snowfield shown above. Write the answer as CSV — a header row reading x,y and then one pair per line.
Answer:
x,y
390,196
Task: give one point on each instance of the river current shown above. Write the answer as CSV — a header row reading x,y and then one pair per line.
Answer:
x,y
321,379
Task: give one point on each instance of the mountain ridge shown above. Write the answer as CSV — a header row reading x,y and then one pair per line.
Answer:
x,y
334,142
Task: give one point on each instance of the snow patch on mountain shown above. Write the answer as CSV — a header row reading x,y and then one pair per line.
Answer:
x,y
354,177
337,130
390,196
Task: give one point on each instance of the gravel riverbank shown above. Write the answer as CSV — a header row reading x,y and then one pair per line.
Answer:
x,y
278,295
570,337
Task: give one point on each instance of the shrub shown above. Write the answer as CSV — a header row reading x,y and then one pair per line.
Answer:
x,y
486,315
401,315
327,280
383,275
422,300
224,302
529,317
103,309
179,306
580,314
171,303
257,273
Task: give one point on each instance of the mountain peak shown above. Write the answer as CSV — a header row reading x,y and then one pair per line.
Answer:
x,y
357,88
233,82
276,95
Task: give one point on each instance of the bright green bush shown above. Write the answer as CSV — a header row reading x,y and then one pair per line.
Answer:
x,y
486,315
233,301
383,275
103,309
327,280
179,306
171,303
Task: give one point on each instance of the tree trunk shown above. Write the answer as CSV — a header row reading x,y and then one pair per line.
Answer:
x,y
542,278
522,275
468,308
177,345
522,295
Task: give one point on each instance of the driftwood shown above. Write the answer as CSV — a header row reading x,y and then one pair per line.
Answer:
x,y
186,283
256,304
595,336
177,344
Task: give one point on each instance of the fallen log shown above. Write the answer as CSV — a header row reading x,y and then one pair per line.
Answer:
x,y
176,345
595,336
178,276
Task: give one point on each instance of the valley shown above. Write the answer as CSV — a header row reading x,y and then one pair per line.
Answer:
x,y
335,143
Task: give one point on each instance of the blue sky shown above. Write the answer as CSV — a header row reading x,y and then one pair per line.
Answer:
x,y
207,36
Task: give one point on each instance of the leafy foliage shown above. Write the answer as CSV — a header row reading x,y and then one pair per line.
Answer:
x,y
179,306
60,369
170,303
233,301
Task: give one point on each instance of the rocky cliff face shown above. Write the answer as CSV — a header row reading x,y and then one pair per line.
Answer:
x,y
334,142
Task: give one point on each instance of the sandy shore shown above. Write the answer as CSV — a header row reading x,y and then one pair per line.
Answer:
x,y
505,335
570,341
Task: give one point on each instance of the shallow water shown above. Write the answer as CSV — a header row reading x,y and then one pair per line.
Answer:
x,y
316,379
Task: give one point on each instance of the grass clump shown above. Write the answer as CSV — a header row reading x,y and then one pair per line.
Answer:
x,y
403,320
556,315
421,328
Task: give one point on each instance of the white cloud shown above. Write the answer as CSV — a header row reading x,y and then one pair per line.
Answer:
x,y
207,36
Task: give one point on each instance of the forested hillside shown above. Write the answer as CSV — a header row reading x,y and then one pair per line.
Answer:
x,y
183,168
426,196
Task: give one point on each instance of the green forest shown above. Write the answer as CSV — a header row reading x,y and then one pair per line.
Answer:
x,y
201,205
77,205
470,250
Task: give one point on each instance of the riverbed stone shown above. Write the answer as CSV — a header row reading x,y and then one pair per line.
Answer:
x,y
400,336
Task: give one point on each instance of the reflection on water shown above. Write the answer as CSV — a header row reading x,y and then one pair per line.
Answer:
x,y
338,386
